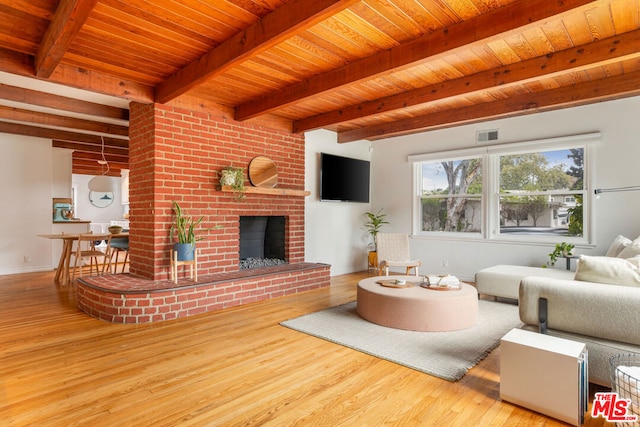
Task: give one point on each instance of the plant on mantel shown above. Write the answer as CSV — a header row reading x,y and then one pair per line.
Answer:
x,y
231,176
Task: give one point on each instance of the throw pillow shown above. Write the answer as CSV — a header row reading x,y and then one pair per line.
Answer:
x,y
618,244
631,250
614,271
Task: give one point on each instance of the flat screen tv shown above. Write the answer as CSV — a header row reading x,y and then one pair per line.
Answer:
x,y
344,179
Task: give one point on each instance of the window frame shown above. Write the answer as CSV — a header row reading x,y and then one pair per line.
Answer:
x,y
417,199
490,197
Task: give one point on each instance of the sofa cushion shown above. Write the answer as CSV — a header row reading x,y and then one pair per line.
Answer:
x,y
618,244
614,271
504,280
631,250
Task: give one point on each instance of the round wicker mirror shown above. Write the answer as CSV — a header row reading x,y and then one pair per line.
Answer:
x,y
263,172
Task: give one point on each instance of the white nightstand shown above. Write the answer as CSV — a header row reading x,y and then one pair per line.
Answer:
x,y
545,373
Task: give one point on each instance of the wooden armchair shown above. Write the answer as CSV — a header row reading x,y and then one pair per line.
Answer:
x,y
393,251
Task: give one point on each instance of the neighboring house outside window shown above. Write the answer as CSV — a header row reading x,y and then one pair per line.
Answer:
x,y
525,192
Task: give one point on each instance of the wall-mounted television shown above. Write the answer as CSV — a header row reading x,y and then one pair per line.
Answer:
x,y
344,179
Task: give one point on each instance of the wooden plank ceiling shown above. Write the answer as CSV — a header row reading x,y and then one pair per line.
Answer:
x,y
366,69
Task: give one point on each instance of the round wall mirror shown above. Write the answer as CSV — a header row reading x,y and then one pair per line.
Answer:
x,y
100,199
263,172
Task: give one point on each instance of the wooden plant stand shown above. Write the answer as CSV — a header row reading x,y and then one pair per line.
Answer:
x,y
193,266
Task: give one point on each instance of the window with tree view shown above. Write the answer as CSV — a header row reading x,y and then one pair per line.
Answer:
x,y
451,196
542,193
500,192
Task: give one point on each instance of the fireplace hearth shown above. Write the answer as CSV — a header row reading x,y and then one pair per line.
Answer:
x,y
262,241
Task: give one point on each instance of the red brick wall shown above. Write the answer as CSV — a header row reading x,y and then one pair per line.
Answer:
x,y
154,306
176,154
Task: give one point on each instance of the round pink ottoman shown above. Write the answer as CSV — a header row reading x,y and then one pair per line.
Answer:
x,y
416,308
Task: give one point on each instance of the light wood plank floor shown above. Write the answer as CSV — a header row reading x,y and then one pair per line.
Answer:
x,y
236,367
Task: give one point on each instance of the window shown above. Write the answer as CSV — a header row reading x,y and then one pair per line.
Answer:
x,y
541,191
527,192
451,196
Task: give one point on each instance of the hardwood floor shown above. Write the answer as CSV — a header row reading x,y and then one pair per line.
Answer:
x,y
234,367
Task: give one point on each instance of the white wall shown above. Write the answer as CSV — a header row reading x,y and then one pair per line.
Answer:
x,y
26,185
32,173
334,231
85,210
615,164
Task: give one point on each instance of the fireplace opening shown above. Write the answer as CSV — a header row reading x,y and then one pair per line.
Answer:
x,y
262,241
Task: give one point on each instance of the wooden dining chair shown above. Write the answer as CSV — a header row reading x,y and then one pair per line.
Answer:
x,y
86,249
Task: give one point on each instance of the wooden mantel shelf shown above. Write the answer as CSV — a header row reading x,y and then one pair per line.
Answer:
x,y
271,191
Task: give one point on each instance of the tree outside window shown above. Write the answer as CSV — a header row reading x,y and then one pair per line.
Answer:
x,y
451,196
539,192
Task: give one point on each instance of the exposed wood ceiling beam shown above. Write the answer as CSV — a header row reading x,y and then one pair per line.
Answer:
x,y
80,78
57,102
91,163
576,58
83,153
568,96
20,115
274,28
47,133
96,169
499,21
121,153
67,22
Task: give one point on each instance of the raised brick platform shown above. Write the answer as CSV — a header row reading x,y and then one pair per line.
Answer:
x,y
122,298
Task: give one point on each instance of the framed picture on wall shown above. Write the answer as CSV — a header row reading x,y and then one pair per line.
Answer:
x,y
100,199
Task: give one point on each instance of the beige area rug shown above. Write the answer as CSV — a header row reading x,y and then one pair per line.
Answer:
x,y
447,355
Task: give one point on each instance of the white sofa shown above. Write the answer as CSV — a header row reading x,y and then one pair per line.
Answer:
x,y
504,280
598,305
603,316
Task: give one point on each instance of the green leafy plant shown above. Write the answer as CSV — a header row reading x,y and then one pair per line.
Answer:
x,y
576,217
374,223
561,249
184,227
233,177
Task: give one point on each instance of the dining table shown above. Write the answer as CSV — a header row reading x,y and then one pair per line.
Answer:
x,y
64,264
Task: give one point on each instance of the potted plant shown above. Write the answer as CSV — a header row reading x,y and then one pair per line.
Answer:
x,y
374,223
184,229
233,177
561,250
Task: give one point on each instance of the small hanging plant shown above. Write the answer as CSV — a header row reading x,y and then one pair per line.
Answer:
x,y
231,176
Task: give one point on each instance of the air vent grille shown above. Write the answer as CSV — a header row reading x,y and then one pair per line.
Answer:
x,y
487,135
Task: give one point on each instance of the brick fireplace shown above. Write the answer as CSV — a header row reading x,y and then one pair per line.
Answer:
x,y
175,154
262,241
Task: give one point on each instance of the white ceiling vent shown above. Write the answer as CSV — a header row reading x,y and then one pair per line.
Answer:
x,y
487,135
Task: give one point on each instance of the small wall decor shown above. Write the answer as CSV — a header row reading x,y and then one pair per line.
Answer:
x,y
101,199
263,172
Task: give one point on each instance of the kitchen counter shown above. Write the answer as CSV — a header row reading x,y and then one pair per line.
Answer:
x,y
73,221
